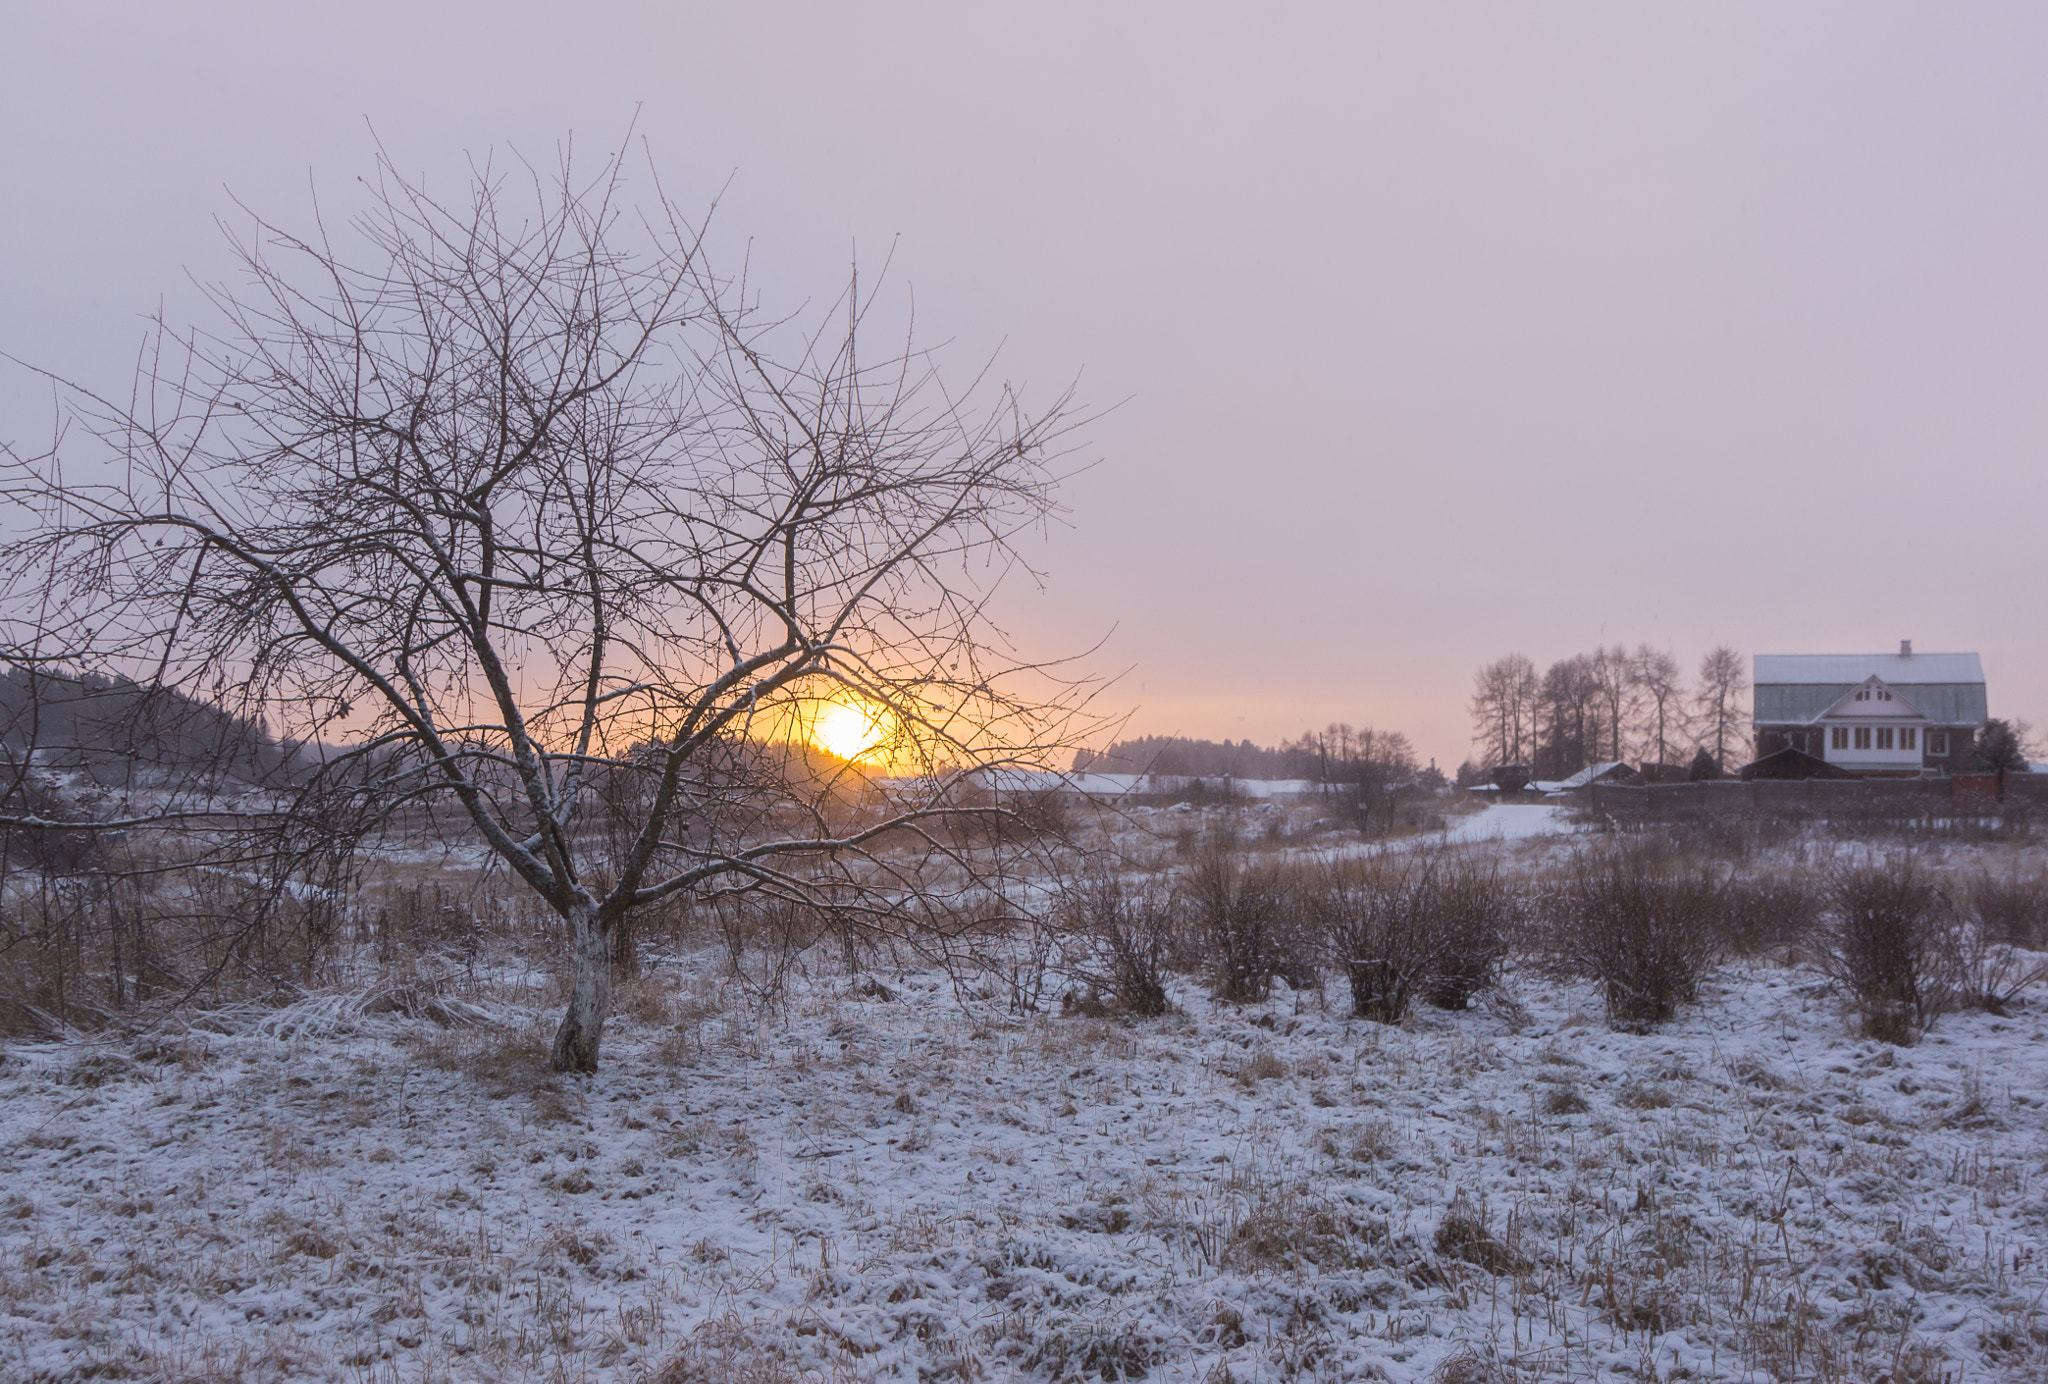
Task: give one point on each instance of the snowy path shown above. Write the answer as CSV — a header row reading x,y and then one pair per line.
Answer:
x,y
1511,822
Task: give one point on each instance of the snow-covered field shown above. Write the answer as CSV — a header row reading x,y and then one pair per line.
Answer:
x,y
884,1177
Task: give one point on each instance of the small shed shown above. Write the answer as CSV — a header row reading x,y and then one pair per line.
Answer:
x,y
1607,771
1789,763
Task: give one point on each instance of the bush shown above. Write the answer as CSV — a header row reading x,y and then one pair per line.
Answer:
x,y
1245,917
2011,909
1645,922
1375,914
1410,923
1895,944
1769,913
1469,919
75,952
2005,917
1122,940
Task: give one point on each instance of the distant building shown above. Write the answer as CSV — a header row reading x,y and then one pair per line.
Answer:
x,y
1607,771
1875,715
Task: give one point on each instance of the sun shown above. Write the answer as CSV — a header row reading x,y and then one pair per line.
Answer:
x,y
849,730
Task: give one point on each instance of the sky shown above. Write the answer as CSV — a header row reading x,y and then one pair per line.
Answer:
x,y
1419,334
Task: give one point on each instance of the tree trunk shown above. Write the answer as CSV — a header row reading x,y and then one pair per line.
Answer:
x,y
590,997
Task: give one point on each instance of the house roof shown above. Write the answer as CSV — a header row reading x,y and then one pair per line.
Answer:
x,y
1789,763
1899,670
1796,689
1592,773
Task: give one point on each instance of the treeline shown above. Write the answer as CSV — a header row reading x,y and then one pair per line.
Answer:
x,y
118,731
1611,704
1339,753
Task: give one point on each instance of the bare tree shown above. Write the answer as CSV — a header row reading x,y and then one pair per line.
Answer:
x,y
1367,765
522,505
1613,674
1656,676
1503,709
1569,708
1718,702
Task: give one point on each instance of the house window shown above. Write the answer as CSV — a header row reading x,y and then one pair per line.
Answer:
x,y
1797,740
1862,694
1884,695
1907,737
1937,743
1840,739
1863,737
1884,737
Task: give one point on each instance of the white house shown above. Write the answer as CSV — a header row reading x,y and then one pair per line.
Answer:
x,y
1877,715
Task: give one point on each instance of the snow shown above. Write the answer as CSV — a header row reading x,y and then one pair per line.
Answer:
x,y
1511,822
826,1183
1903,670
1107,787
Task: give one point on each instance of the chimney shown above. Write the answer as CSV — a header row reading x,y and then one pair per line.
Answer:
x,y
1905,648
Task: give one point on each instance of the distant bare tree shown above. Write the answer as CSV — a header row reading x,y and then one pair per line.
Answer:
x,y
1717,705
1366,764
1658,680
1614,675
1570,709
520,502
1503,710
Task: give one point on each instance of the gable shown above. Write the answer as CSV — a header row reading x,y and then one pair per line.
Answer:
x,y
1872,700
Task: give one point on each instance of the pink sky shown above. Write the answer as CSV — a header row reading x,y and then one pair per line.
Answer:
x,y
1437,331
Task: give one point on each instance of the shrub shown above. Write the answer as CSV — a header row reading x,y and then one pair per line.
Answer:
x,y
1410,923
1893,942
1373,913
1469,918
2004,917
1769,912
77,951
1122,940
1992,974
2011,909
1645,922
1244,916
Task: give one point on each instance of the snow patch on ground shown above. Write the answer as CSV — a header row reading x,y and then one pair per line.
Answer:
x,y
1511,822
923,1186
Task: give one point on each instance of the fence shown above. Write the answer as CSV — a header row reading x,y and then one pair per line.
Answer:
x,y
1975,795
